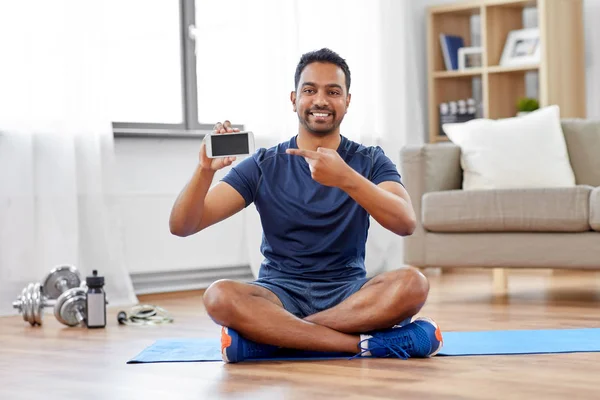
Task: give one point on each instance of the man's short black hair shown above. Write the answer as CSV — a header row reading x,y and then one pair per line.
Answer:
x,y
324,55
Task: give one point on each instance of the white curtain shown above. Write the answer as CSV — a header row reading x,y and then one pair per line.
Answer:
x,y
255,50
56,150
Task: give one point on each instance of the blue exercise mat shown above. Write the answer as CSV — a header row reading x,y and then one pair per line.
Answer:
x,y
198,350
180,350
455,344
521,342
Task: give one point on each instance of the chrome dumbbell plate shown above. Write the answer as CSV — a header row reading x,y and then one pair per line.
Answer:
x,y
37,304
59,280
70,307
31,304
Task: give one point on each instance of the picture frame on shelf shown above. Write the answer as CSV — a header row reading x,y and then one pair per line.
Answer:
x,y
522,47
470,57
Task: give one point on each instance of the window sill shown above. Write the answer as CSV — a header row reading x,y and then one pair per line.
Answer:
x,y
159,133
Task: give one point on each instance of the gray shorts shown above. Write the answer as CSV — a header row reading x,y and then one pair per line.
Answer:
x,y
303,298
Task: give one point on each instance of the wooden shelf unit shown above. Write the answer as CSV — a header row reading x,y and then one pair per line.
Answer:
x,y
561,70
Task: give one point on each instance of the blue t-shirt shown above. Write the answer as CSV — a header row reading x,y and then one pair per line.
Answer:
x,y
309,230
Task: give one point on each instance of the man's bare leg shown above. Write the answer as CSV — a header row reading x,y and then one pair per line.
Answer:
x,y
382,302
257,314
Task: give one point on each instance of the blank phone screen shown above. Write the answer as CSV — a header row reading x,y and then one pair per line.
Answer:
x,y
228,144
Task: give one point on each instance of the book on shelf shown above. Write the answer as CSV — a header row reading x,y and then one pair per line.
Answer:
x,y
450,45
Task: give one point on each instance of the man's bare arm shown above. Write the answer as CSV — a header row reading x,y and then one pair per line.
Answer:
x,y
221,202
388,203
197,207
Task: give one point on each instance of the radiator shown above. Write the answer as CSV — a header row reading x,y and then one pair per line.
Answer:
x,y
189,279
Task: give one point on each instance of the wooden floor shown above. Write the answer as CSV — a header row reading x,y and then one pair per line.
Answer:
x,y
57,362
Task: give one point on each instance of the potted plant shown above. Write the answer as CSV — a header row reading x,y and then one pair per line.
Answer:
x,y
526,105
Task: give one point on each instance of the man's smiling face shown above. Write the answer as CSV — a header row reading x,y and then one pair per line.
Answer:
x,y
321,98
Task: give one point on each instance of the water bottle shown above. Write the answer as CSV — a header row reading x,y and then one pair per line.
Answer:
x,y
95,301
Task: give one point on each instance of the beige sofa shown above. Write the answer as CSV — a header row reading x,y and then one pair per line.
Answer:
x,y
532,228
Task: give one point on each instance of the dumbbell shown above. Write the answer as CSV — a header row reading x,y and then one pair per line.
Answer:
x,y
64,283
69,309
61,290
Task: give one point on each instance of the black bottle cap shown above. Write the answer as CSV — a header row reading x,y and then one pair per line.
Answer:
x,y
94,281
122,318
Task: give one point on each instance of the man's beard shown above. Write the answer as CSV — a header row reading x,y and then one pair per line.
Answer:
x,y
319,129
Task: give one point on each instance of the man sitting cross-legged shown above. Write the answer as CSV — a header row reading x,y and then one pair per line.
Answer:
x,y
314,194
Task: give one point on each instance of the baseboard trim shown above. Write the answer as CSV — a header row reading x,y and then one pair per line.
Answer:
x,y
190,279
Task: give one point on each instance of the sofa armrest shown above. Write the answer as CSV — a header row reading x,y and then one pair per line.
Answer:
x,y
431,168
427,168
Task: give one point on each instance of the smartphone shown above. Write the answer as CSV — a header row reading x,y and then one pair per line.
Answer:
x,y
229,144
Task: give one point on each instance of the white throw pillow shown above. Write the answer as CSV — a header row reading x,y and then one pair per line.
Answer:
x,y
521,152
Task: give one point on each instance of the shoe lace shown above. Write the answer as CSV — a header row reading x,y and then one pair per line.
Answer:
x,y
397,345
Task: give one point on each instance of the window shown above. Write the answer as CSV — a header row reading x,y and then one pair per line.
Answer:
x,y
152,66
182,66
144,61
159,85
221,39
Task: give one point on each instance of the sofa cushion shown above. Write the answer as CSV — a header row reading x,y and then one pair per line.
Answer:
x,y
508,210
509,153
595,209
583,143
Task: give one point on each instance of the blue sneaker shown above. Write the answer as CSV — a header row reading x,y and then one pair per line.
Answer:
x,y
403,322
235,348
421,338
